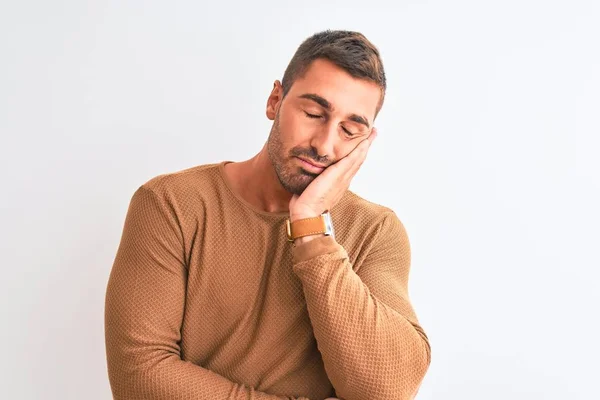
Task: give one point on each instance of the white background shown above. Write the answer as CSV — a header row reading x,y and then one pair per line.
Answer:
x,y
488,152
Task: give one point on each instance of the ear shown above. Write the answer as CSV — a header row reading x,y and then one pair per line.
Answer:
x,y
274,100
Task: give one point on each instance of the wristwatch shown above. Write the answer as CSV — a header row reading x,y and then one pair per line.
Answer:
x,y
310,226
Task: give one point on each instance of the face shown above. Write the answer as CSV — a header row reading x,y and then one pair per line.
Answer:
x,y
324,116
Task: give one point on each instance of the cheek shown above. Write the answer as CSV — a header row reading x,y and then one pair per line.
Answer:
x,y
296,128
346,148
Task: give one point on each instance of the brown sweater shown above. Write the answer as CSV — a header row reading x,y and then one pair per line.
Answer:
x,y
208,300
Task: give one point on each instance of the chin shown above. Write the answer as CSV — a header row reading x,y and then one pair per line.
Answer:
x,y
297,180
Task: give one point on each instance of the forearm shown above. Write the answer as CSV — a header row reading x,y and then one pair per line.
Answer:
x,y
168,377
144,309
370,350
142,369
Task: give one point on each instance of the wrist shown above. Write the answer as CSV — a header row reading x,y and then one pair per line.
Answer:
x,y
296,217
308,238
304,227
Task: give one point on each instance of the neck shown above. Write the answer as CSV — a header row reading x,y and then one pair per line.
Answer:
x,y
256,181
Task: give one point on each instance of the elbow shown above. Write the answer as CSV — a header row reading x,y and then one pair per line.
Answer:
x,y
137,374
415,367
421,365
412,365
425,359
401,380
414,371
124,375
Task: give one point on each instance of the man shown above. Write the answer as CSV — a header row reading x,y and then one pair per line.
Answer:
x,y
229,281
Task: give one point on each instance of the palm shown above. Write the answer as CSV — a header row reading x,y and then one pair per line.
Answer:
x,y
328,188
311,201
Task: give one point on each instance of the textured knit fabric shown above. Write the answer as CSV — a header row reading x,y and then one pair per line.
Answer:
x,y
207,299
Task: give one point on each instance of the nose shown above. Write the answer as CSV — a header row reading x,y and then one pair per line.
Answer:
x,y
323,141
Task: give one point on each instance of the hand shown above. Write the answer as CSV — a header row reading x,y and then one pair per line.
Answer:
x,y
327,188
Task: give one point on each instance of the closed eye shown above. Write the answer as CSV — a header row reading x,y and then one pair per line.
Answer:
x,y
316,116
348,132
312,115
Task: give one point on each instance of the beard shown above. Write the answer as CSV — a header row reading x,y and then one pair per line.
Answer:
x,y
291,176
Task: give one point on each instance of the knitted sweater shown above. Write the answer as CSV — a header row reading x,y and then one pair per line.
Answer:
x,y
207,299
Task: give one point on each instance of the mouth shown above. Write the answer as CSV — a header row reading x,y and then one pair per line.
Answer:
x,y
310,166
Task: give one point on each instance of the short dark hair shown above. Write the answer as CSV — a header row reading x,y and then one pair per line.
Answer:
x,y
349,50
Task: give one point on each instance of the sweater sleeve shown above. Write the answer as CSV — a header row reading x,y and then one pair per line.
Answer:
x,y
144,307
366,329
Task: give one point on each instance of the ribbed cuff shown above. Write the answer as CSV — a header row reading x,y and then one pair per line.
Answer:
x,y
316,247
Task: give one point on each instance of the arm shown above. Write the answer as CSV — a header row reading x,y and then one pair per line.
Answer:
x,y
366,330
144,308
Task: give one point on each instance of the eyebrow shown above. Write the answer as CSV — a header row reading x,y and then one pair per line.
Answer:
x,y
327,105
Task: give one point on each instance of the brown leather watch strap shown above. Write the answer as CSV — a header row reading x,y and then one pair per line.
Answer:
x,y
305,227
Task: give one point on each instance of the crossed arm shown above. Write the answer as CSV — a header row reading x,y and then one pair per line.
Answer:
x,y
366,330
144,307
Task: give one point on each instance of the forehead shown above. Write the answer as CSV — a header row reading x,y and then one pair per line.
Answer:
x,y
346,93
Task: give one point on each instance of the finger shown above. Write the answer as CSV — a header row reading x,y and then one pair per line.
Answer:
x,y
363,149
354,160
361,152
373,134
370,138
349,165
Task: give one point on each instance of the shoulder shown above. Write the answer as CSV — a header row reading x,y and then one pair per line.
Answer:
x,y
362,222
178,182
183,193
362,211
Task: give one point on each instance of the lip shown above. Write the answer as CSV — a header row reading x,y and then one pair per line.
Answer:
x,y
310,166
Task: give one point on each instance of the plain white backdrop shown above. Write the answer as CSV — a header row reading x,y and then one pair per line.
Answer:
x,y
487,150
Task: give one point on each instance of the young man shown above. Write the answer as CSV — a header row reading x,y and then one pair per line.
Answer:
x,y
230,281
